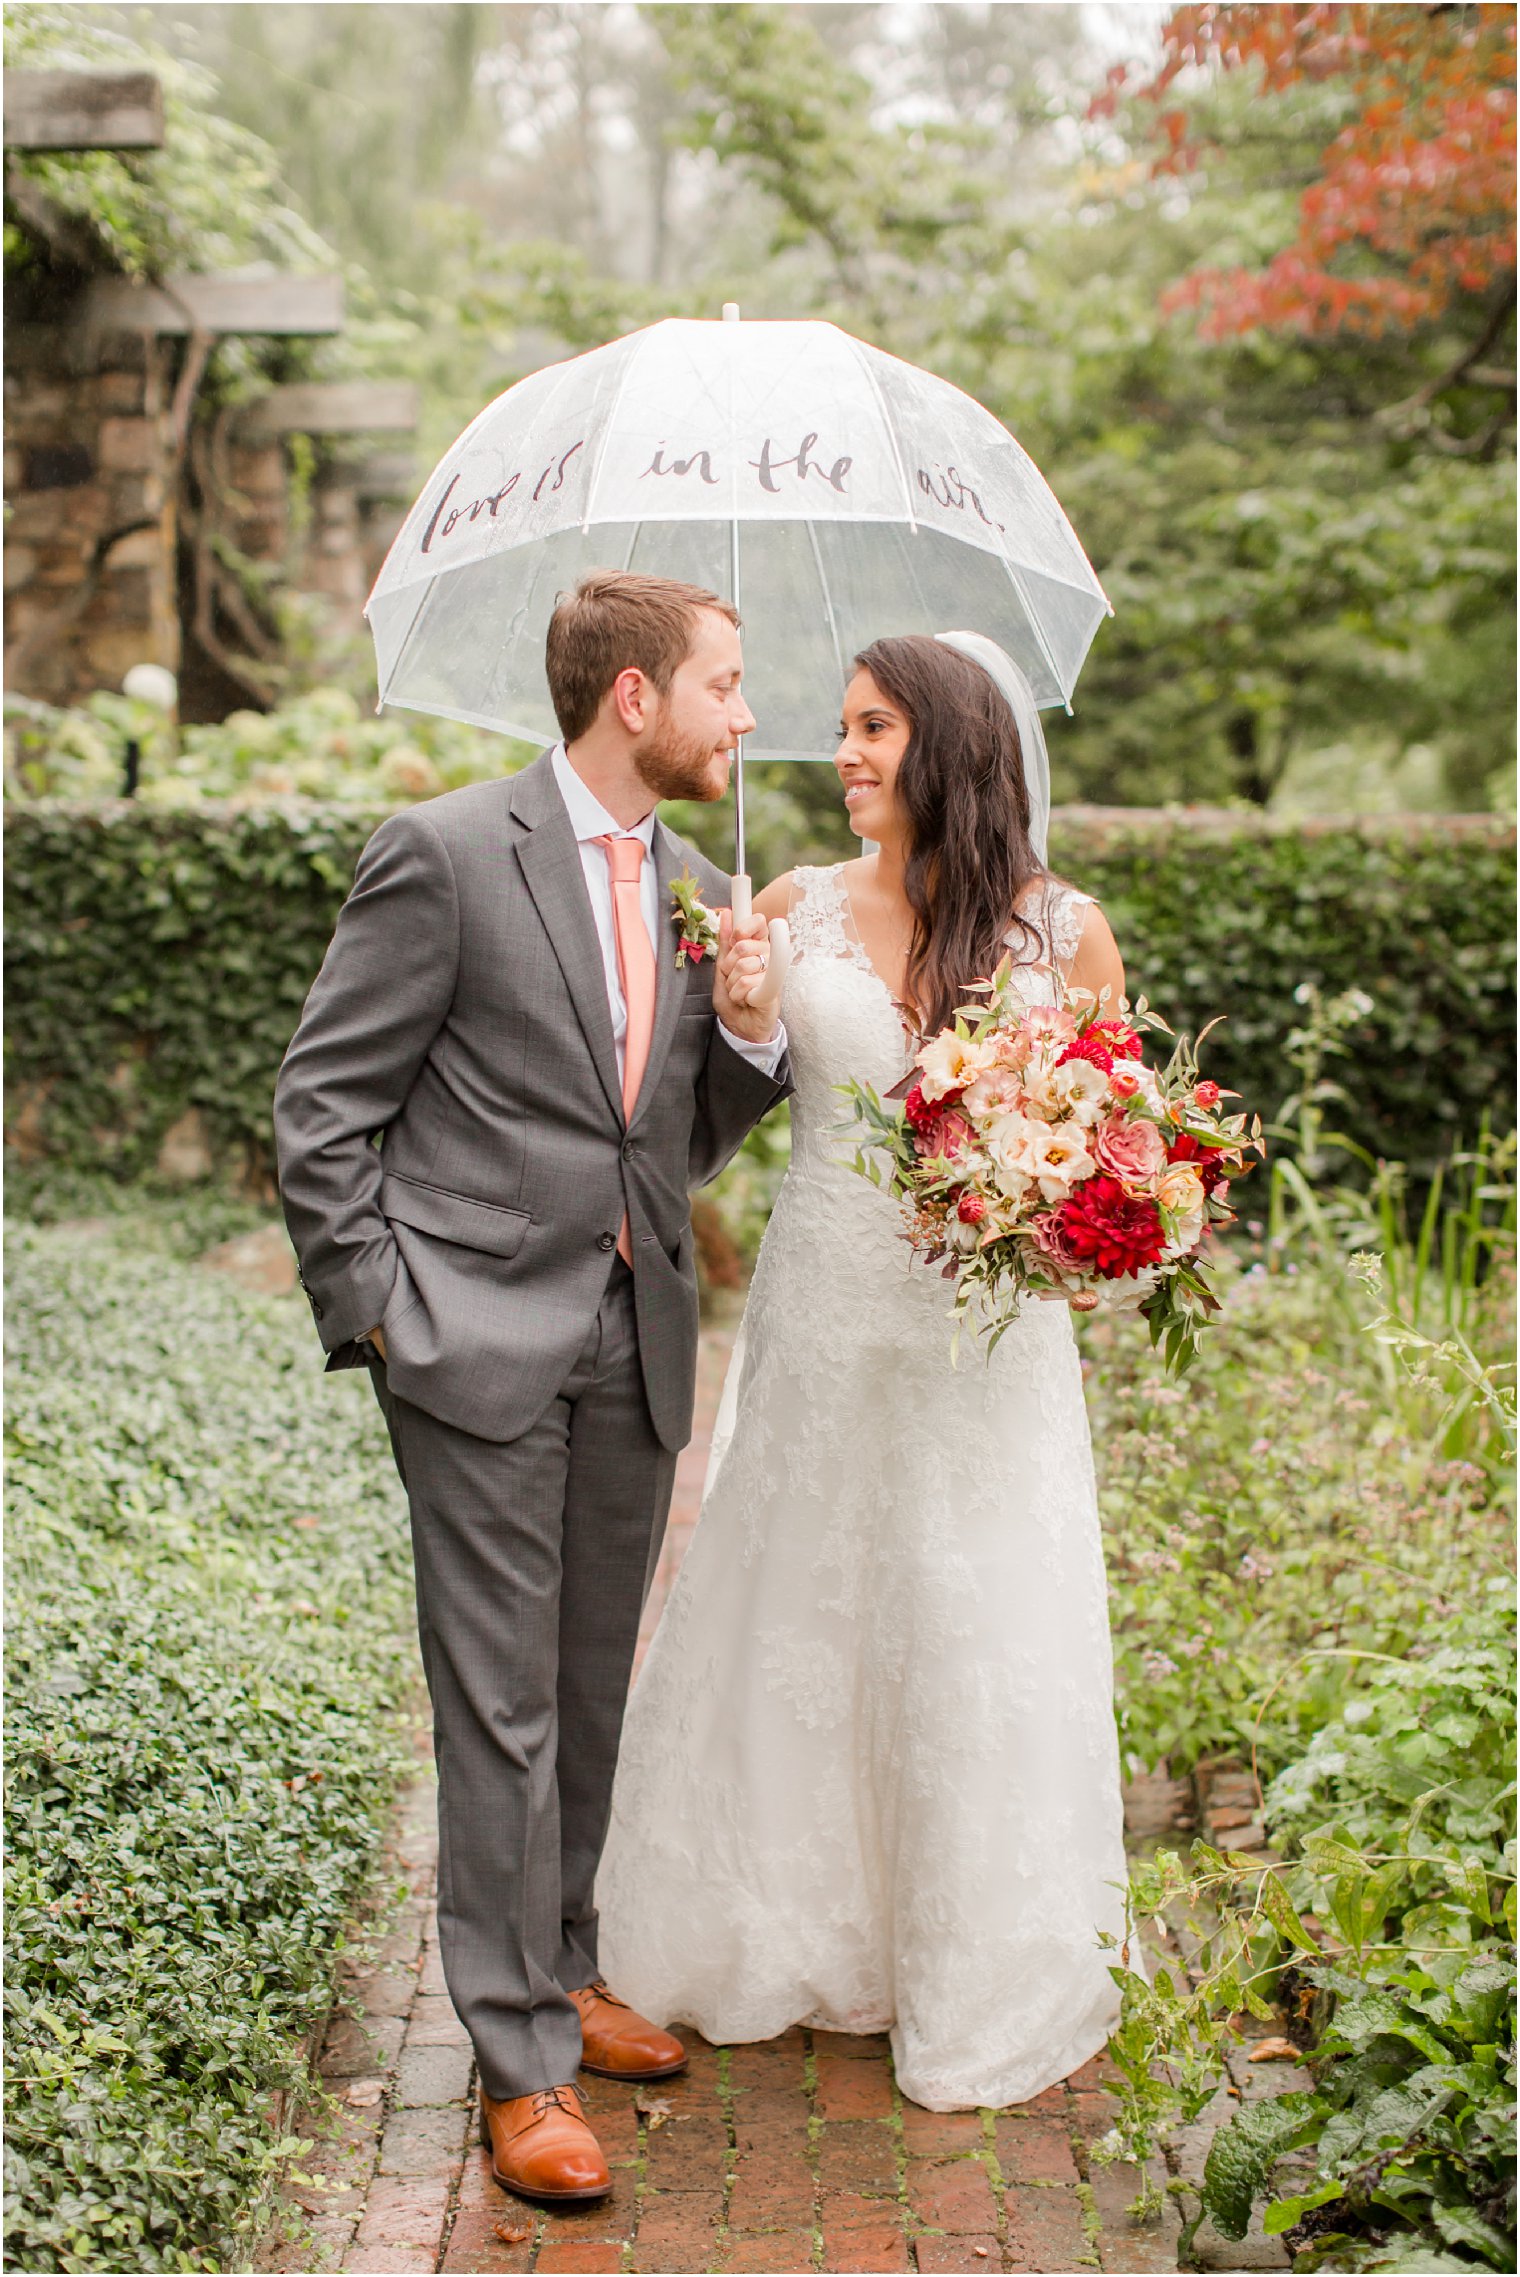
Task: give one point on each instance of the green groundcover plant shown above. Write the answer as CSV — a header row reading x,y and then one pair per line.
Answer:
x,y
209,1641
1314,1567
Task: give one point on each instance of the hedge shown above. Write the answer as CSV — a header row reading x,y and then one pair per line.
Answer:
x,y
158,960
209,1640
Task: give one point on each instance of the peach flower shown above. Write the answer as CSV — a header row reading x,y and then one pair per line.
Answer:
x,y
1132,1150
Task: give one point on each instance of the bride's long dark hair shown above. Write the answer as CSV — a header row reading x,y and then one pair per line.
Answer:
x,y
961,785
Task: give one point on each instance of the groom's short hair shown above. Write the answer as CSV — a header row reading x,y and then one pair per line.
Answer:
x,y
614,621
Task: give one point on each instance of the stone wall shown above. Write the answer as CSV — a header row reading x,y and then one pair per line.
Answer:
x,y
90,569
92,573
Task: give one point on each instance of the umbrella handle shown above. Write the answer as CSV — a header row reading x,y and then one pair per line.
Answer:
x,y
768,987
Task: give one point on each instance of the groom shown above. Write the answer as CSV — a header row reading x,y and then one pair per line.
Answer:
x,y
501,1090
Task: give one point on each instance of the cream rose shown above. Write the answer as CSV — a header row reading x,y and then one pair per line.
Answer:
x,y
1180,1193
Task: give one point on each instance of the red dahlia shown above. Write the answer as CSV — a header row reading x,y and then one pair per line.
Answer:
x,y
921,1116
1121,1041
1090,1046
1115,1232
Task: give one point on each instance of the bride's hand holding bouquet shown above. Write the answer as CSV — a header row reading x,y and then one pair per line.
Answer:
x,y
1037,1154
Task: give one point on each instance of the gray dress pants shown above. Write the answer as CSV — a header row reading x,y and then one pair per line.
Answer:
x,y
533,1559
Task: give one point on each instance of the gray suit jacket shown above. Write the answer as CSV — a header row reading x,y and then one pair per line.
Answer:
x,y
454,1163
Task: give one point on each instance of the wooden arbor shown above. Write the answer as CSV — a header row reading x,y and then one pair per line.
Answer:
x,y
127,532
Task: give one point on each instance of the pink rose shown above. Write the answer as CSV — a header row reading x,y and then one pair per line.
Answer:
x,y
954,1134
1050,1240
1132,1151
1123,1082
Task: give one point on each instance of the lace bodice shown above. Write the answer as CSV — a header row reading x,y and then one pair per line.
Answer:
x,y
840,1016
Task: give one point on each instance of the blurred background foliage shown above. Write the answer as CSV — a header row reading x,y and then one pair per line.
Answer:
x,y
1302,510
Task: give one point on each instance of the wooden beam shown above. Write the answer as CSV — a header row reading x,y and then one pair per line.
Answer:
x,y
345,407
83,110
386,475
260,306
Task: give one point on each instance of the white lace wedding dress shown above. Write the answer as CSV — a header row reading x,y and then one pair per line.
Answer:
x,y
869,1777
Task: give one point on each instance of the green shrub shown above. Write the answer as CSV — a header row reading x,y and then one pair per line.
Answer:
x,y
318,745
1232,913
1276,1504
158,960
209,1637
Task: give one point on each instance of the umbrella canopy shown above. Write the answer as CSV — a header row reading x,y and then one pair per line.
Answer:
x,y
832,492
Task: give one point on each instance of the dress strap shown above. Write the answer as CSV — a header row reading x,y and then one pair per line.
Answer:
x,y
816,915
1057,912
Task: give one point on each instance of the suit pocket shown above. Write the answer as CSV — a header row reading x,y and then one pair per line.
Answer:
x,y
453,1217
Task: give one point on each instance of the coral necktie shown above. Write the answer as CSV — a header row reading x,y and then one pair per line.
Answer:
x,y
636,969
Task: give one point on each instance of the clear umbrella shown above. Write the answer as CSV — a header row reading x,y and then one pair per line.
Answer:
x,y
832,492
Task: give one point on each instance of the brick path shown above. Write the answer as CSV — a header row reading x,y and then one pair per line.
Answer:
x,y
796,2154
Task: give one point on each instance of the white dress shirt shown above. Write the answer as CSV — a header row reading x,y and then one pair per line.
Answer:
x,y
590,820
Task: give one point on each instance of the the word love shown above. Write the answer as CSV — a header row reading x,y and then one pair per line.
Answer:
x,y
445,519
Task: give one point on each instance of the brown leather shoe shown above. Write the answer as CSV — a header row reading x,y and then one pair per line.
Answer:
x,y
618,2043
541,2147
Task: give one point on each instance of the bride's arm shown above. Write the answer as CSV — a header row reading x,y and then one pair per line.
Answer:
x,y
1097,964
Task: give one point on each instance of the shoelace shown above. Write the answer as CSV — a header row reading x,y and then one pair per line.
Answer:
x,y
602,1993
547,2099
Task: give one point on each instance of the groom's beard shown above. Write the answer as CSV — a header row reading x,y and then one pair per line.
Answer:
x,y
681,766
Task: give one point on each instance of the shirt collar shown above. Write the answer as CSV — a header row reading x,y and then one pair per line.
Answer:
x,y
588,817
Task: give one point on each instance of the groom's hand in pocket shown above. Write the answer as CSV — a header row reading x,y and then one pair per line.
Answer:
x,y
376,1336
743,952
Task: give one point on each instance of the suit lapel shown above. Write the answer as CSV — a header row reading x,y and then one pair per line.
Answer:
x,y
670,978
550,861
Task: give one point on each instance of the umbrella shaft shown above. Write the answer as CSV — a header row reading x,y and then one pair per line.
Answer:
x,y
740,865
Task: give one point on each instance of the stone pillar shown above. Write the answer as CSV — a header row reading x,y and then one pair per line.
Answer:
x,y
90,560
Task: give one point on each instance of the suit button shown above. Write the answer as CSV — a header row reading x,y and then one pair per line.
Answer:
x,y
629,1150
606,1241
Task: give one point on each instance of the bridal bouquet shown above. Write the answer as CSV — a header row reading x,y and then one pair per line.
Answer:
x,y
1037,1154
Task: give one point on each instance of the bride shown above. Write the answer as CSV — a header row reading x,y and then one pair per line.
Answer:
x,y
869,1777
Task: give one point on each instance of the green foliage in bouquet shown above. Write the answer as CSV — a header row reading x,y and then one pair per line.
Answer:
x,y
209,1588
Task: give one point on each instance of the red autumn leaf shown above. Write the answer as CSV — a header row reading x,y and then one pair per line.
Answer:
x,y
1416,192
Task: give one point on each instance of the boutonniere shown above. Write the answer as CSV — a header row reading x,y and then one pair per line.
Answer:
x,y
696,924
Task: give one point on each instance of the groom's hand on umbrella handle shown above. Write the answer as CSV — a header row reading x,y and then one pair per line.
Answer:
x,y
743,951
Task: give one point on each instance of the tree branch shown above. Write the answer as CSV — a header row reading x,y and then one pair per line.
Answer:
x,y
1464,367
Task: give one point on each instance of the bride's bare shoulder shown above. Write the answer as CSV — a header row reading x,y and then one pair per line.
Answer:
x,y
776,900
